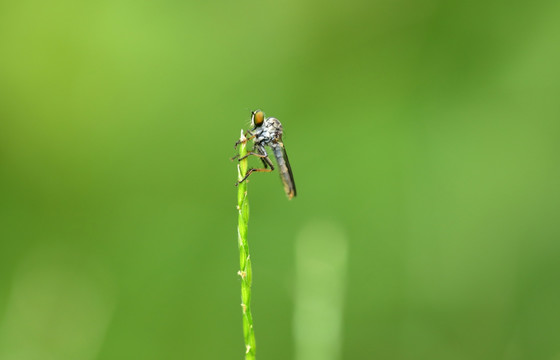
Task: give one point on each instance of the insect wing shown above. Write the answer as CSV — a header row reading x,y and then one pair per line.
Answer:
x,y
284,168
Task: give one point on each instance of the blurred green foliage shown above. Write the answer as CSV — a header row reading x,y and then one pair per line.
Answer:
x,y
427,131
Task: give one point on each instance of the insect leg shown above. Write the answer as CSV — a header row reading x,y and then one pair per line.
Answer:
x,y
265,159
249,172
260,152
266,162
246,139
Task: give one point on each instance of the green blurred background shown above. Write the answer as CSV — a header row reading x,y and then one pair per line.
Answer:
x,y
424,140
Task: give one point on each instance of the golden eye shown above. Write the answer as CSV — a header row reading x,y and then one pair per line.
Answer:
x,y
258,117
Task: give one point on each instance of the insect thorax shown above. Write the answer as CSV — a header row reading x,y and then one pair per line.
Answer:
x,y
269,132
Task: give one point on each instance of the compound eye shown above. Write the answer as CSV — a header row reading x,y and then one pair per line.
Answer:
x,y
258,117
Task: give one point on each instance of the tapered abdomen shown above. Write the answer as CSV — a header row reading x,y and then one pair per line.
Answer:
x,y
284,168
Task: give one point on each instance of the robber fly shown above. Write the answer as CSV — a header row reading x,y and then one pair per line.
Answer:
x,y
268,131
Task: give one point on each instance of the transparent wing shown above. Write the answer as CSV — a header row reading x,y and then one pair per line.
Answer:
x,y
284,168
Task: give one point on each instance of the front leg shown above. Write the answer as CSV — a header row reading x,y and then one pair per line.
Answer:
x,y
245,139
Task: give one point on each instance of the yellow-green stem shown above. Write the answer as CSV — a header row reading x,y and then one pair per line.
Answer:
x,y
244,257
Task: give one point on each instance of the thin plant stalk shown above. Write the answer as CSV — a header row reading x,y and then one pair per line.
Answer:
x,y
245,271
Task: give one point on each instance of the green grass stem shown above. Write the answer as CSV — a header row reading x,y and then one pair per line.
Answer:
x,y
244,257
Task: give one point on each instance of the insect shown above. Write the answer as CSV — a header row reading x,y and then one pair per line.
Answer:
x,y
268,132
